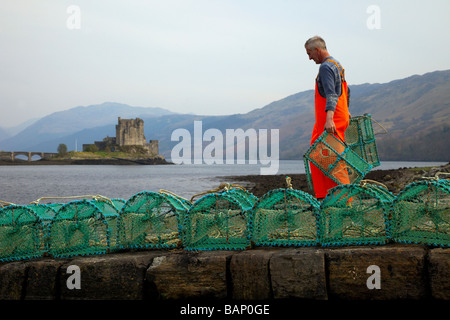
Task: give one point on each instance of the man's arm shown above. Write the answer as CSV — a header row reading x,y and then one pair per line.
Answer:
x,y
330,127
328,80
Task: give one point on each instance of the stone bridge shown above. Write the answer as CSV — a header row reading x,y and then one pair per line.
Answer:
x,y
11,155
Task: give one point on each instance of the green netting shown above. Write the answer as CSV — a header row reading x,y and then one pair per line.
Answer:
x,y
353,215
421,213
285,217
386,197
336,160
118,203
55,206
46,214
360,137
78,228
246,199
20,233
151,219
219,221
180,202
110,211
233,219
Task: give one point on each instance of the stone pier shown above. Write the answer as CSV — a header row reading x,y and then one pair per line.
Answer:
x,y
402,272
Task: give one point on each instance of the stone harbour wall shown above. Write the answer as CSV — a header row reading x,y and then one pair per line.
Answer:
x,y
406,272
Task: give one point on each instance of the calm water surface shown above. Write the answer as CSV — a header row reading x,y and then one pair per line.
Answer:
x,y
24,184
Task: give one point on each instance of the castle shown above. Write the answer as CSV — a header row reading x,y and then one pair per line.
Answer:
x,y
129,138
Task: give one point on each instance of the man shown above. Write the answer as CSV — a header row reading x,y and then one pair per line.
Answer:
x,y
331,106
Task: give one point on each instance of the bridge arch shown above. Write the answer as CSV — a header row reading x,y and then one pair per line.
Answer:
x,y
26,155
36,157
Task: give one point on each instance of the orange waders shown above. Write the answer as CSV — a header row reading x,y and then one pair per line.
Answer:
x,y
341,120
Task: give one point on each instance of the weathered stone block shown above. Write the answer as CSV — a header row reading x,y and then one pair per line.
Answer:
x,y
401,272
298,273
439,273
12,280
42,279
250,274
189,275
108,277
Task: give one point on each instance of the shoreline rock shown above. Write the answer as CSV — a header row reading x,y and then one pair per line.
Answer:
x,y
107,161
394,179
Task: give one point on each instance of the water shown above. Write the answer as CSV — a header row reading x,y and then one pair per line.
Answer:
x,y
24,184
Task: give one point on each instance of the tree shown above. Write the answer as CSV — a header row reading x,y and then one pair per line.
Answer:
x,y
91,148
62,149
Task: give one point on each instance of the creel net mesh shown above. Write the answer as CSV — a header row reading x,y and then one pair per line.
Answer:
x,y
233,219
20,233
421,213
110,212
78,228
336,160
353,215
285,217
360,137
46,214
219,221
151,219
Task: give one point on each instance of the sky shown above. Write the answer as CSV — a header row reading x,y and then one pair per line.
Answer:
x,y
207,57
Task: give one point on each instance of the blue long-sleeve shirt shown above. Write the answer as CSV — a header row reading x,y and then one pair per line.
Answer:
x,y
329,83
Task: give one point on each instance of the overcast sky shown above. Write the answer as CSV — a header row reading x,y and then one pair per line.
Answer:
x,y
203,56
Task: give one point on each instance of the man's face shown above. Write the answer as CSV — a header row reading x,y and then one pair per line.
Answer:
x,y
313,54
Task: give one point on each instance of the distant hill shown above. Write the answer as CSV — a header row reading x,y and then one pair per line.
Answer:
x,y
415,111
59,126
4,134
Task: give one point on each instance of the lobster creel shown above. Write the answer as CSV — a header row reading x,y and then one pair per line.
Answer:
x,y
219,221
285,217
353,215
421,213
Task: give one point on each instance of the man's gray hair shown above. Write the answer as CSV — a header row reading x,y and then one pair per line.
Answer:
x,y
315,42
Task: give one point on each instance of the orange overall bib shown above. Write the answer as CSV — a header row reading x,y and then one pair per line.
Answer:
x,y
341,120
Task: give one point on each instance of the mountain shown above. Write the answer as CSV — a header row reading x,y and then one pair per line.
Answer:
x,y
12,131
4,134
414,111
40,135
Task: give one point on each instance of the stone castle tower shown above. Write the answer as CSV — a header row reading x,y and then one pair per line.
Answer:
x,y
130,132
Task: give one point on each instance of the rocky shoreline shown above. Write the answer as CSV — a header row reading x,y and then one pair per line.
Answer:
x,y
395,180
104,161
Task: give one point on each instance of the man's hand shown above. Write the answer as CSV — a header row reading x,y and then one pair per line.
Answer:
x,y
329,123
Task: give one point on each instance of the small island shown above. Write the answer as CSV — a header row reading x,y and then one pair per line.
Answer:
x,y
129,147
